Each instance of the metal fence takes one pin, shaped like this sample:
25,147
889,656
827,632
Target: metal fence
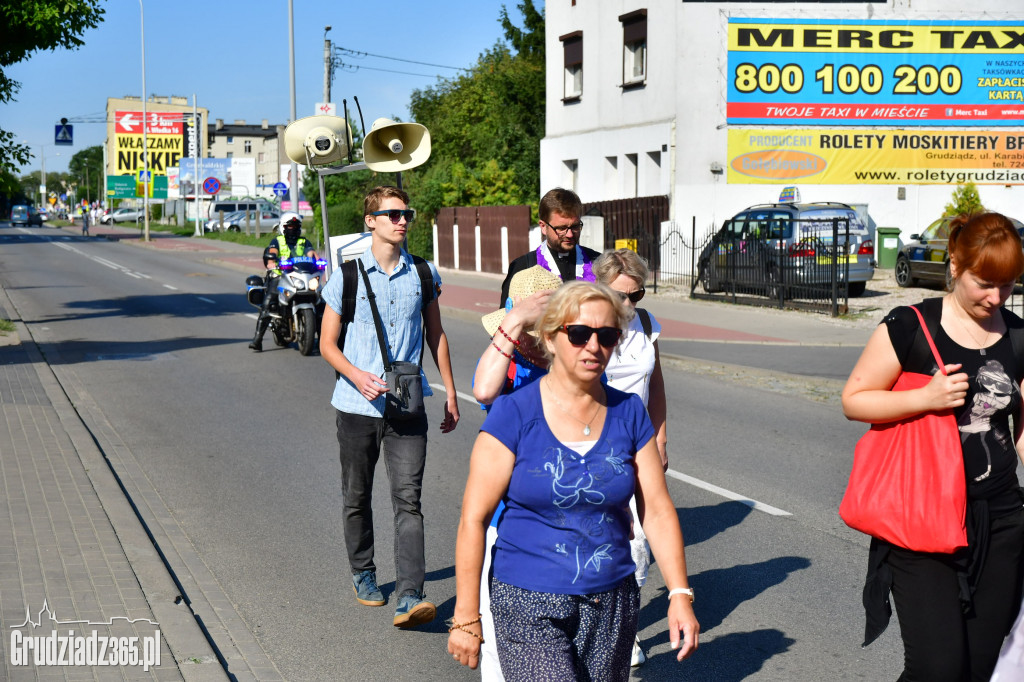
800,264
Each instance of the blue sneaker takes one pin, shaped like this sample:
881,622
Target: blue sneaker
365,586
413,610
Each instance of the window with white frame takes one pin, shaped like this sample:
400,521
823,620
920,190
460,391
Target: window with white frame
572,45
248,146
634,47
261,157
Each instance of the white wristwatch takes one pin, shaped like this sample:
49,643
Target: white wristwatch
688,591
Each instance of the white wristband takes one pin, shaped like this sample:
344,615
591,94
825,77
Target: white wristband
688,591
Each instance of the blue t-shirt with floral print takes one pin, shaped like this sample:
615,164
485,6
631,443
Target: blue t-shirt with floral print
566,524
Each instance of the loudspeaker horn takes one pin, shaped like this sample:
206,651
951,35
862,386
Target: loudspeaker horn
392,147
317,140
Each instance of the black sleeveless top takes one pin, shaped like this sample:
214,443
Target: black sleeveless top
993,395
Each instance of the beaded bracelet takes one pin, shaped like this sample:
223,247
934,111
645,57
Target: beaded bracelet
462,626
515,342
500,350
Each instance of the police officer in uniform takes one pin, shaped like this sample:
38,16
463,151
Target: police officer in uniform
287,245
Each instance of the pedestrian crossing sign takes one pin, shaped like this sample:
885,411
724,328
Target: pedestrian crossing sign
63,134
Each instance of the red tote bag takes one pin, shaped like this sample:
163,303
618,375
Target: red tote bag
907,484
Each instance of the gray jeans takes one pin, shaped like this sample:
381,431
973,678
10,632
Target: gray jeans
361,440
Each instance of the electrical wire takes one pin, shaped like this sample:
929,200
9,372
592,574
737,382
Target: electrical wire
356,67
358,53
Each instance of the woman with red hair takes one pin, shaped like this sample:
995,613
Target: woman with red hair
955,609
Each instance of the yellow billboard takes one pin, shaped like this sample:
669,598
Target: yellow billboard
880,157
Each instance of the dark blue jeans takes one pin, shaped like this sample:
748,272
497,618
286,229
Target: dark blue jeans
404,445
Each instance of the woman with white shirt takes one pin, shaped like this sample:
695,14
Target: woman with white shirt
635,367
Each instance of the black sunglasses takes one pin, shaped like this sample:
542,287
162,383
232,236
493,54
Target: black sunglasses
579,334
395,215
634,296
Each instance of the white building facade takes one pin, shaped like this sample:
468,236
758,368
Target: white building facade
719,105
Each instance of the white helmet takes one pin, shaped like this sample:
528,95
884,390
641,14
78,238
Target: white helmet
288,217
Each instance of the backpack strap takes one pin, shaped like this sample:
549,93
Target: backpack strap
427,287
645,322
349,290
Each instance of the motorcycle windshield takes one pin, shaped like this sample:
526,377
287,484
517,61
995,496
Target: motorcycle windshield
303,264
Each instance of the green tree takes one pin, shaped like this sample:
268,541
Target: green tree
486,124
85,170
30,25
966,201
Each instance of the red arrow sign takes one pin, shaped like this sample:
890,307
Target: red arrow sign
157,122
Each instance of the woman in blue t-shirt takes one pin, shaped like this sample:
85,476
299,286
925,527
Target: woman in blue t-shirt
565,454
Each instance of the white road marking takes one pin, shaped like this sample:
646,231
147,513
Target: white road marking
728,494
704,485
465,396
102,261
168,286
205,300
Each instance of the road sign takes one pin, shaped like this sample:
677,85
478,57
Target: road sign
125,187
63,134
211,185
280,189
63,197
145,176
326,109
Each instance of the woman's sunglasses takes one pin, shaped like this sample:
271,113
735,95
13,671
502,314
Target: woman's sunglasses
579,334
633,296
395,215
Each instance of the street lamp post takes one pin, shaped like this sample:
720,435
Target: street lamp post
145,150
293,181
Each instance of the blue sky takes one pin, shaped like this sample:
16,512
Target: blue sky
233,55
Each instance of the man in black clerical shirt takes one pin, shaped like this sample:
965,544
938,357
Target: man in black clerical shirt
559,251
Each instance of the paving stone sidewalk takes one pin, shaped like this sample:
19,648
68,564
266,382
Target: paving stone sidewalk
62,565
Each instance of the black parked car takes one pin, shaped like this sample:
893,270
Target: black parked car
926,256
787,250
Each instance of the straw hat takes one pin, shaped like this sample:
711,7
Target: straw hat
523,284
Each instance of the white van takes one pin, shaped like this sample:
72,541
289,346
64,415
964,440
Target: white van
232,205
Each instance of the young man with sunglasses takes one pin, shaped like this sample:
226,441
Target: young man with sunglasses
359,398
559,252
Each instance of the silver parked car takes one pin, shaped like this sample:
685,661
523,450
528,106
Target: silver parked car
786,248
235,221
123,215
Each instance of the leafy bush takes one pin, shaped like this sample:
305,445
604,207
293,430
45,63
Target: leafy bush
966,201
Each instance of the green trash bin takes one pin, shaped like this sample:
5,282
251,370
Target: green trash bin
887,240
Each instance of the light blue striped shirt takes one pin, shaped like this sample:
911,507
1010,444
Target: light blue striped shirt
398,301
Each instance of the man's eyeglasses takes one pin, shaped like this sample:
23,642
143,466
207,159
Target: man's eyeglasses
562,229
634,296
579,334
395,215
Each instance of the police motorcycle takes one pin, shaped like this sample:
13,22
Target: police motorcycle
296,306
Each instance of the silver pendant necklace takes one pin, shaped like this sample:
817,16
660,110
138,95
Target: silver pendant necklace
558,404
982,344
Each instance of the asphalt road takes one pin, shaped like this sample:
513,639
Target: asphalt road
234,455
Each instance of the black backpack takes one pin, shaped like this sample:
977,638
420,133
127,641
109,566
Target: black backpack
350,287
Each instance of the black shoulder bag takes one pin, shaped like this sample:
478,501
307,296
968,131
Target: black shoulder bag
404,398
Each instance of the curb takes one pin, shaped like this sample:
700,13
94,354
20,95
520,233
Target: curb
178,624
